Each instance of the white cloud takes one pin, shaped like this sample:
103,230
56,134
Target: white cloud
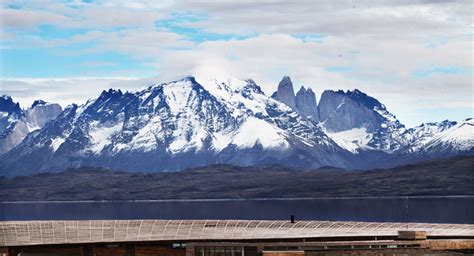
381,43
78,15
383,69
28,19
341,18
67,90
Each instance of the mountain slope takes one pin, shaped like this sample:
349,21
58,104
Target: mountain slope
217,119
424,133
453,141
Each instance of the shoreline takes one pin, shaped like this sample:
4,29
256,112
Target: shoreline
235,199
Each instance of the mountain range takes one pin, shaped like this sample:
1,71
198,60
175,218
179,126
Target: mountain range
202,120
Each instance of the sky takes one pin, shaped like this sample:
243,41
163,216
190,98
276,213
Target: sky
415,56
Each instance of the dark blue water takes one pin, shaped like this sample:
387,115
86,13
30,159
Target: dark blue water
422,209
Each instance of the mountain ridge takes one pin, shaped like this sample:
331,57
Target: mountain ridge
200,120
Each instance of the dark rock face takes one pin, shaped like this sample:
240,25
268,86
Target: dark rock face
15,123
341,111
285,92
40,113
306,104
7,105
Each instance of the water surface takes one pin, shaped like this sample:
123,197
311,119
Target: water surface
417,209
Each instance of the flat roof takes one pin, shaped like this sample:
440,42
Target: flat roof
18,233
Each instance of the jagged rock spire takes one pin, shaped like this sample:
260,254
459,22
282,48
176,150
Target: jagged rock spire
306,104
285,92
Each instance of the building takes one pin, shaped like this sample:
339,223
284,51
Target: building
224,237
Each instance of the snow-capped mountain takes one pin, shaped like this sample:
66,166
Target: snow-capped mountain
209,119
171,126
420,135
16,123
451,141
354,120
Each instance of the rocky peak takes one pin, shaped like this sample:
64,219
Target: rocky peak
111,93
12,108
250,88
306,105
345,110
38,103
40,113
285,92
341,111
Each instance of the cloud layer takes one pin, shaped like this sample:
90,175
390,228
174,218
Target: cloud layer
415,56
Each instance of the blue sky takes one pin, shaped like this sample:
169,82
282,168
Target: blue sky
414,56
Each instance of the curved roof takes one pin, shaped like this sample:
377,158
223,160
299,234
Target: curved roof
14,233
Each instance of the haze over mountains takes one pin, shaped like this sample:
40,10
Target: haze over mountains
204,120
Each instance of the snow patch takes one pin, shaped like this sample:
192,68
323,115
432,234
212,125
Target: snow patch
177,95
100,134
56,143
352,139
255,131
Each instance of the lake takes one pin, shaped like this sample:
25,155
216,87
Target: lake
412,209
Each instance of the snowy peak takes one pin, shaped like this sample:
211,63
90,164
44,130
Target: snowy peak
420,135
7,106
459,137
